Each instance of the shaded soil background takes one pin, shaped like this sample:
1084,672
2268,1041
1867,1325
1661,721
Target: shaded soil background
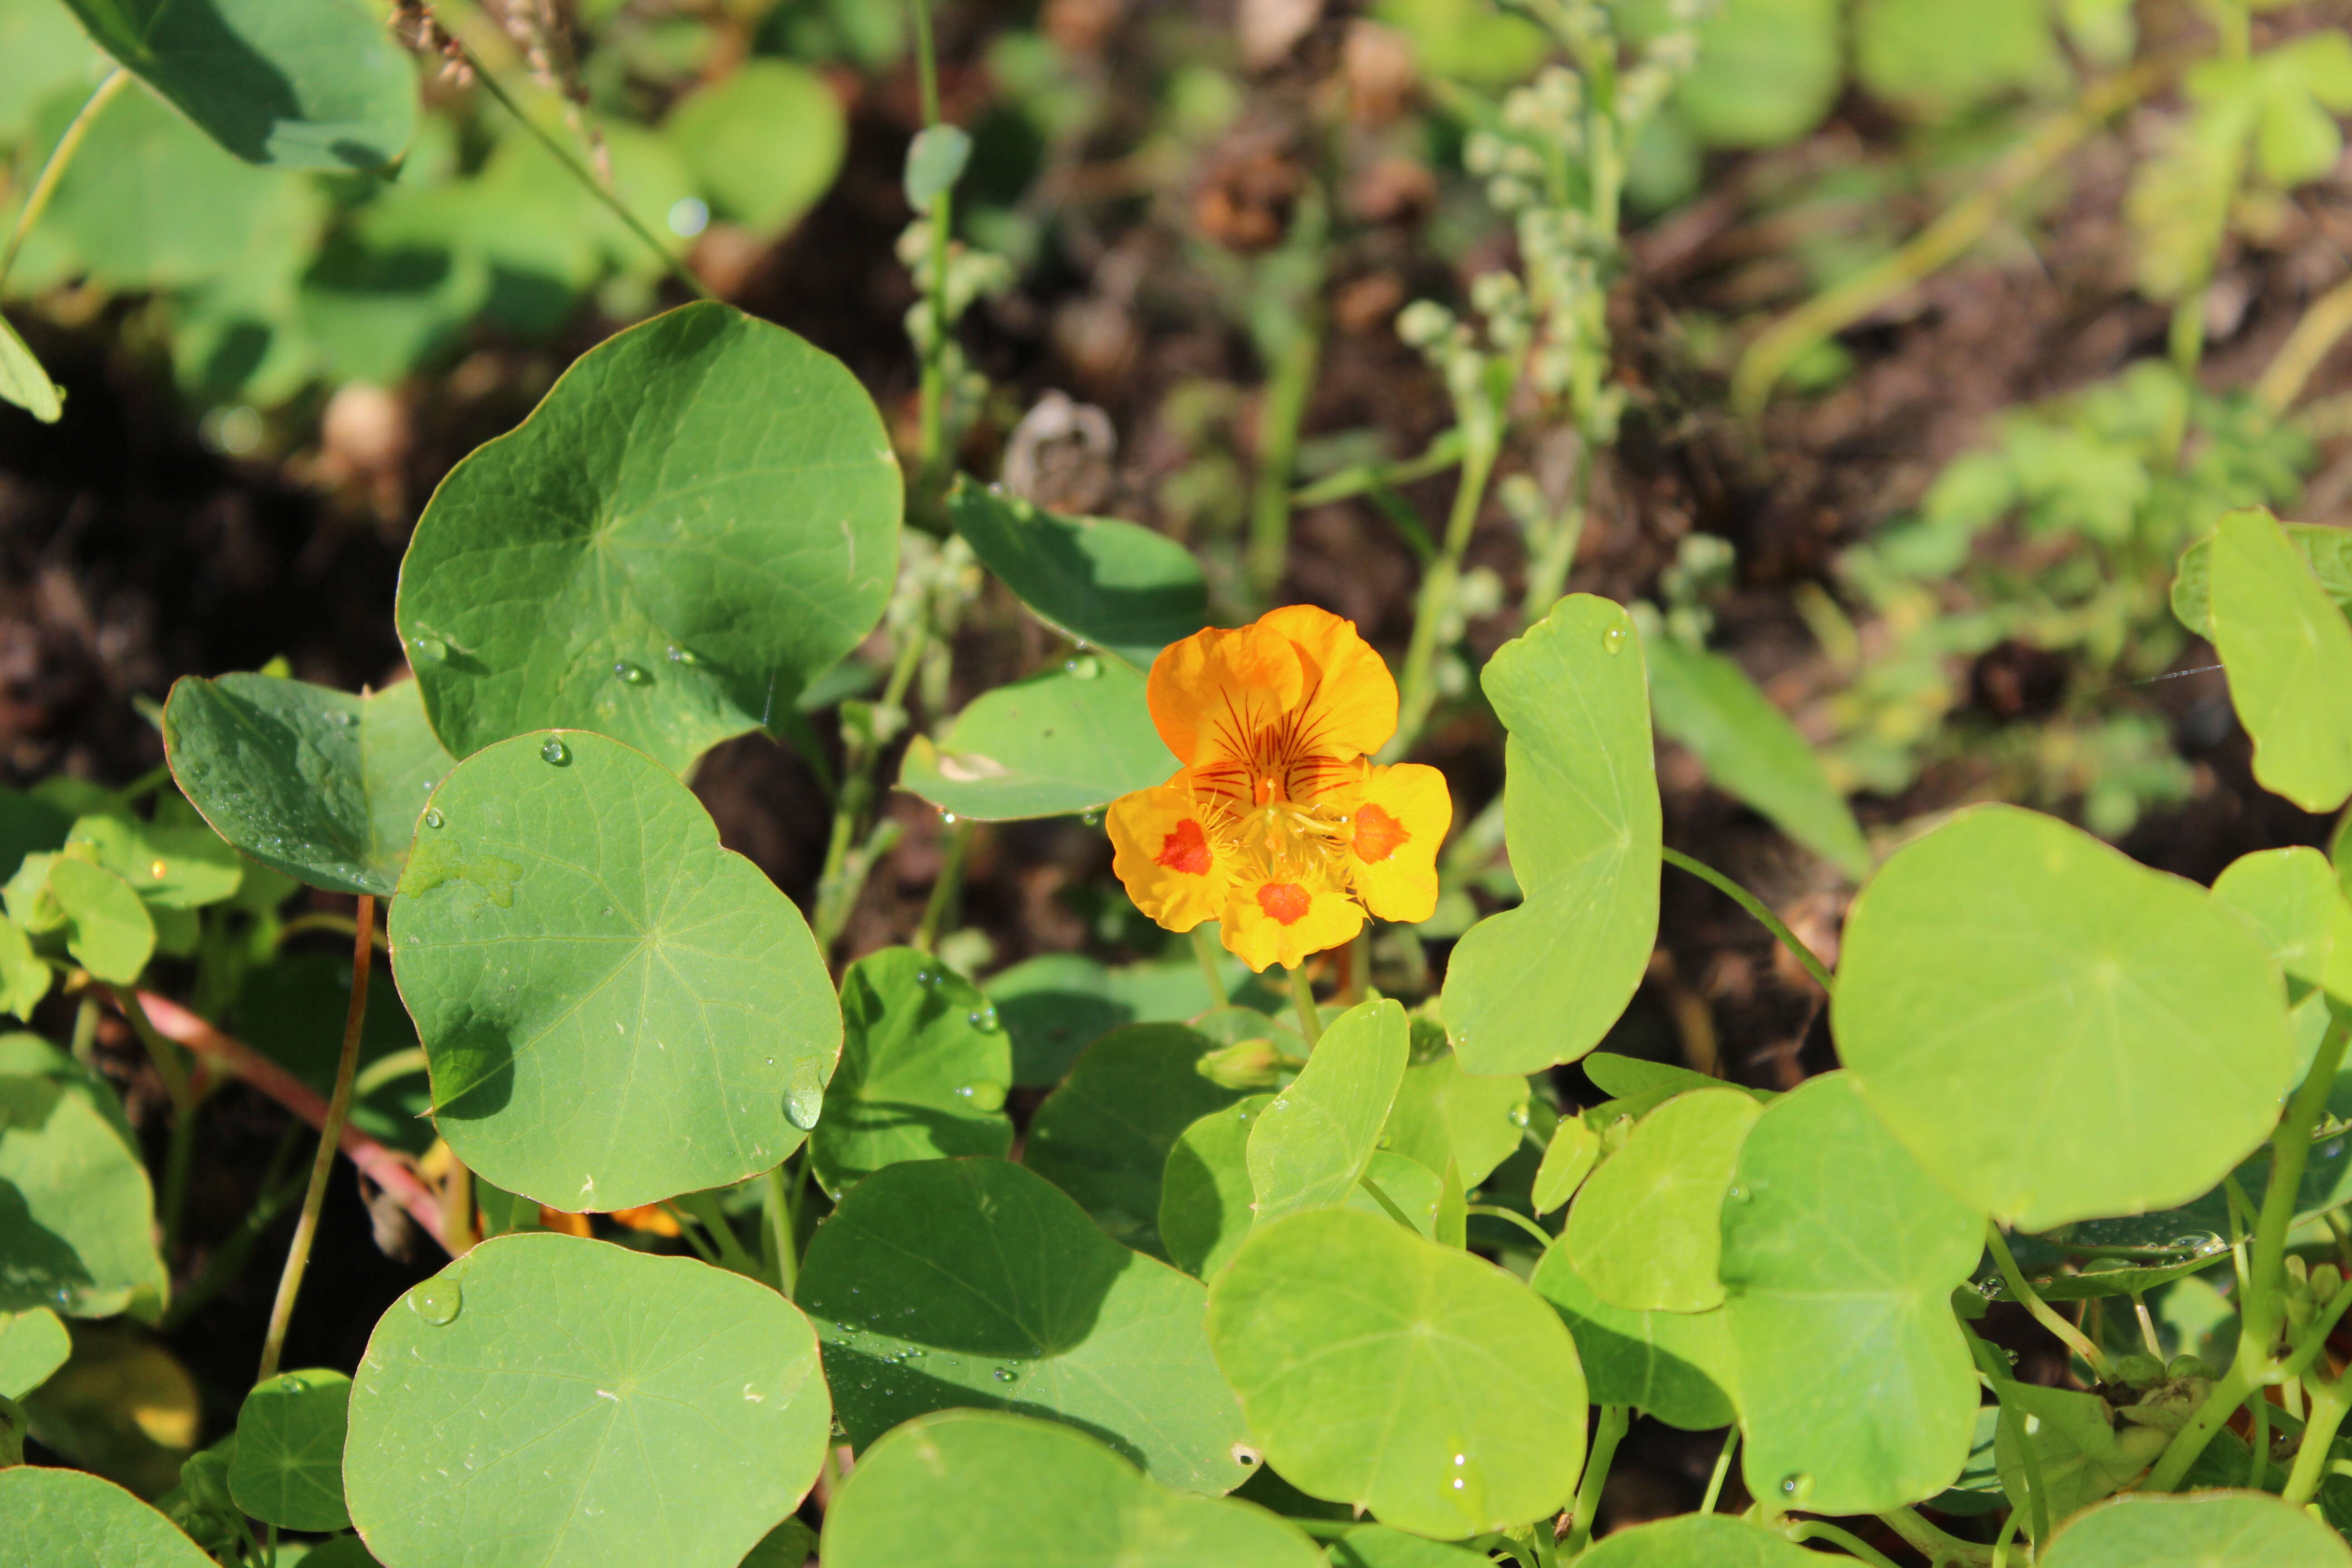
132,553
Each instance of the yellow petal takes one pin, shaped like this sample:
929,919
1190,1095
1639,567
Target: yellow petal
653,1219
1396,829
1210,694
1348,706
1162,851
1282,922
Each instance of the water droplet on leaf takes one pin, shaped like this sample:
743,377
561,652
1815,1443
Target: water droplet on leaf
1614,639
805,1104
1796,1486
1005,1374
634,674
556,752
431,649
437,1301
433,817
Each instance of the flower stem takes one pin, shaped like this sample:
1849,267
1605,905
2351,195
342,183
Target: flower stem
338,1105
45,184
2024,1294
1845,1540
2329,1401
932,455
1756,907
1722,1471
1280,413
944,886
1302,998
1607,1434
783,1236
1204,948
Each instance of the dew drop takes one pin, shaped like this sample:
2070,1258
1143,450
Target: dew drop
431,649
1614,639
1457,1483
1084,669
685,657
805,1104
555,751
1737,1195
433,817
342,721
1519,1117
983,1095
946,820
632,674
1092,818
1797,1486
437,1301
1005,1374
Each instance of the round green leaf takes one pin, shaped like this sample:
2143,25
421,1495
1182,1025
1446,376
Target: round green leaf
700,516
764,143
24,978
57,1517
76,1211
170,865
579,1404
1071,740
1643,1231
1205,1200
1675,1366
1118,585
303,84
289,1465
1378,1546
32,1345
976,1489
2288,650
924,1068
974,1282
2291,899
108,928
2204,1530
1542,983
2056,1031
1751,749
1104,1136
323,785
1312,1142
617,1009
1840,1257
2328,550
1443,1113
1698,1541
1411,1379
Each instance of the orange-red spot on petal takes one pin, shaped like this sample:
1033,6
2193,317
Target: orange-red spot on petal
1186,849
1284,901
1377,834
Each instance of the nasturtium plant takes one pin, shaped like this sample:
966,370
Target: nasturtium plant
2288,650
1069,739
76,1206
973,1282
1643,1231
318,783
2225,1529
702,516
1542,983
924,1069
1312,1143
612,1017
33,1345
1675,1366
1984,1015
1114,586
520,1394
289,1465
66,1516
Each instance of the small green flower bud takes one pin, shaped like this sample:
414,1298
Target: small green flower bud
2189,1366
2139,1371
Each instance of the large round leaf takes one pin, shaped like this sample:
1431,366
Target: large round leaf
1312,1142
617,1009
2057,1032
578,1404
2288,650
974,1282
1542,983
702,515
974,1488
1118,585
1207,1204
1676,1366
1442,1113
1840,1257
2206,1529
322,784
303,84
1643,1231
76,1211
924,1066
764,143
56,1516
1698,1541
1070,740
1104,1136
1408,1378
289,1465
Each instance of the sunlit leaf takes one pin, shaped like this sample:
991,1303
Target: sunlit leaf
289,1465
2328,550
2056,1031
58,1515
1313,1141
1071,740
2205,1529
1698,1541
765,142
76,1210
1643,1231
2288,650
23,381
33,1345
1115,585
924,1068
522,1395
1675,1366
974,1282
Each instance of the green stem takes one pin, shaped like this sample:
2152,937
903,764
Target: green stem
1606,1434
2025,1296
931,458
588,182
85,1029
782,1234
2329,1401
180,1149
944,886
1280,413
339,1106
45,184
1722,1471
1756,907
1204,948
1845,1540
2290,1151
2258,1439
1388,1204
836,892
704,1207
2009,1529
1302,1001
1933,1545
1544,1239
1417,690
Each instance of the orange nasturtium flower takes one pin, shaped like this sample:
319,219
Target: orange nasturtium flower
1278,824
